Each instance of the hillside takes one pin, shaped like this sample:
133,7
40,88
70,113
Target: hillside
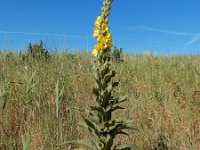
163,93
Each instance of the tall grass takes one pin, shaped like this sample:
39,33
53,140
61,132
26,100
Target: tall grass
164,100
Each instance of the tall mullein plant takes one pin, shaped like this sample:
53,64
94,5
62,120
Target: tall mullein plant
100,122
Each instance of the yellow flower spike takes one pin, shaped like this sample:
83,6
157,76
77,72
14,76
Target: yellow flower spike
101,30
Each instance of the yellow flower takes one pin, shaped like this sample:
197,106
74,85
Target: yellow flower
108,37
94,52
96,33
103,44
105,39
104,27
100,38
96,49
98,21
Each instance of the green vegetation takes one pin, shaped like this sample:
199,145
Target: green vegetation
38,51
117,54
41,102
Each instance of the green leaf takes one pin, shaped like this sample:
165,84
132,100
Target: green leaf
118,128
5,94
113,73
95,91
108,77
116,108
98,84
105,69
98,145
58,98
118,100
96,117
126,147
92,127
115,84
26,141
113,107
105,94
123,99
100,110
5,98
110,88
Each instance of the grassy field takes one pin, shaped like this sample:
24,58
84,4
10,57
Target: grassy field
41,102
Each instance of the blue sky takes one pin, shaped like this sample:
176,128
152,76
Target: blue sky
161,26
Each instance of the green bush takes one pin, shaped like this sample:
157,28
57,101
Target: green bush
38,51
117,54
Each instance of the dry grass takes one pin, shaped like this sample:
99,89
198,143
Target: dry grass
164,100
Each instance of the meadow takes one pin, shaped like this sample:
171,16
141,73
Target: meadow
41,101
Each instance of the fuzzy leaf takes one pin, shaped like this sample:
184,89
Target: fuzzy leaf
118,128
108,77
98,84
113,108
117,100
95,91
106,94
92,127
105,69
116,108
115,84
110,88
95,116
100,110
123,99
98,145
113,73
